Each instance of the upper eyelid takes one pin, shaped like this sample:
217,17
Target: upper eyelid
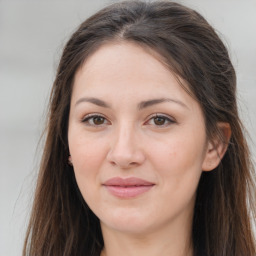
162,115
91,115
87,119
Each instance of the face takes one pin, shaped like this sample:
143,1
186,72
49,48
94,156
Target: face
137,140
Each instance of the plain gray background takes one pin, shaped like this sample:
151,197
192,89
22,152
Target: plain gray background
32,35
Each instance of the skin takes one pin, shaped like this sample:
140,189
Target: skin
127,140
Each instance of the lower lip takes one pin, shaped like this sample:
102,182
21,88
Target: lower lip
128,192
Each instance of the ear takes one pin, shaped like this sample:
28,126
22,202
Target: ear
70,161
216,148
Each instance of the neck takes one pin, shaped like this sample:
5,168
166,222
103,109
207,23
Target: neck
162,242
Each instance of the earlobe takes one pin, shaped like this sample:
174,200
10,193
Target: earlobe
217,147
70,161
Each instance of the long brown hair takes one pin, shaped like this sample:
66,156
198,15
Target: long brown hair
61,222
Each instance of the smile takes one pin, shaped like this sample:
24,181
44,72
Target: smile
127,188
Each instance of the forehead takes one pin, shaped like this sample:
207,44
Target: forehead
123,55
129,68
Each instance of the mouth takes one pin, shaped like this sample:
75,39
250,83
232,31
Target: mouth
127,188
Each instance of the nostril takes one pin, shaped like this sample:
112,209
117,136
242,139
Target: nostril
112,163
126,165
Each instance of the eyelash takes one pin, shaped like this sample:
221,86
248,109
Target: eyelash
167,120
92,117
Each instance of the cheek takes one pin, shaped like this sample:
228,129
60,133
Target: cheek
86,166
84,157
87,157
178,154
178,163
85,150
179,170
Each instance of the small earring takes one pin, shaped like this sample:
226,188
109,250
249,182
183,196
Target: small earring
70,161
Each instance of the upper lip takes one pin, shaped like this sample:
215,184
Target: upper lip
125,182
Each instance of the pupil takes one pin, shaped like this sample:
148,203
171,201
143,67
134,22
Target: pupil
159,120
98,120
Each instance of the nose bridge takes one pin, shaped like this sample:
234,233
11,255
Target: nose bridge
125,150
125,139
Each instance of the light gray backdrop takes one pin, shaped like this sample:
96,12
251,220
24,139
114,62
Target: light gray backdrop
32,34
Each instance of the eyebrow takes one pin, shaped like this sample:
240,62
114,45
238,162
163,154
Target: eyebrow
95,101
141,105
148,103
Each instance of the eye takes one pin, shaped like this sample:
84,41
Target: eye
95,120
160,120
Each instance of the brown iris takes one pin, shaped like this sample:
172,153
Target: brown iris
159,120
98,120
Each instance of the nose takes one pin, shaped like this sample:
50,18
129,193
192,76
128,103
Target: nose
125,150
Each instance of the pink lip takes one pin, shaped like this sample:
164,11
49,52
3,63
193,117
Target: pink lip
127,188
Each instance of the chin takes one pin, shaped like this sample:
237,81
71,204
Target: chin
127,222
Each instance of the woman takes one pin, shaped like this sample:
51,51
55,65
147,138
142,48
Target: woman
144,153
